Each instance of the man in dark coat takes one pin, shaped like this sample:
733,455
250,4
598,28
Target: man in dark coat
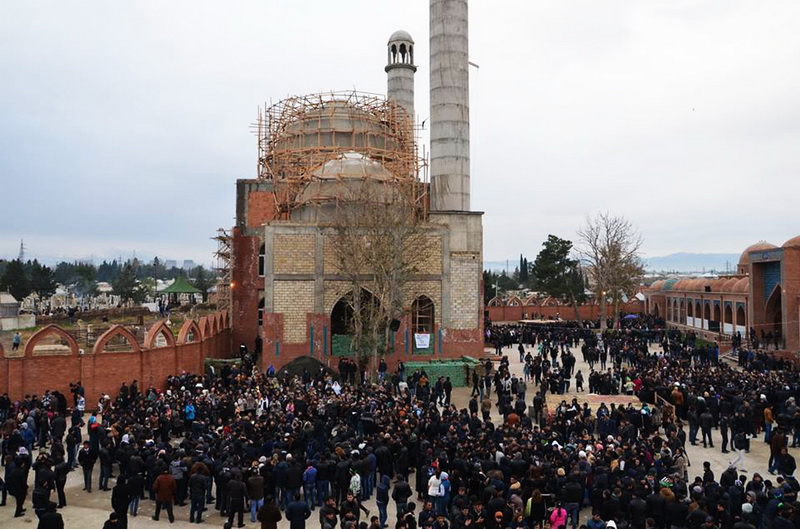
297,513
237,497
269,514
17,484
120,500
51,519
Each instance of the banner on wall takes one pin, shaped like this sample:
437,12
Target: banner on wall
422,341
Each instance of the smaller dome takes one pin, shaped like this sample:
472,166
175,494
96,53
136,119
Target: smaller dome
401,36
657,285
729,285
792,243
680,285
742,286
759,246
717,284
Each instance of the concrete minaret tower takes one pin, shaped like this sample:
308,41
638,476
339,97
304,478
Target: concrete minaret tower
400,71
449,105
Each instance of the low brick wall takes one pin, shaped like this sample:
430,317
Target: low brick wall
51,359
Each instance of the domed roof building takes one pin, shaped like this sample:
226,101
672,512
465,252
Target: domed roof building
328,161
761,302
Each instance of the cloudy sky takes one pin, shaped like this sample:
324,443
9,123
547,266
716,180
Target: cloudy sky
124,125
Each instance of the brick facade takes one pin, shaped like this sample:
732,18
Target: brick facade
465,297
44,367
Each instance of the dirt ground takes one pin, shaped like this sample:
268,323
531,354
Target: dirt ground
89,511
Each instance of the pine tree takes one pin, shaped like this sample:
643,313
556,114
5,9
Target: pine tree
127,287
15,281
203,280
43,282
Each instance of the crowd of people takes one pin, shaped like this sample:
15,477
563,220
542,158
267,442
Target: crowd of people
244,445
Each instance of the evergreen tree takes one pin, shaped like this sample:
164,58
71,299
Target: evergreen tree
15,280
203,280
43,282
557,274
127,287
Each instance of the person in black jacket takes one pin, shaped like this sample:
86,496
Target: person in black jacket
41,498
297,513
51,519
237,497
120,500
402,491
17,483
86,459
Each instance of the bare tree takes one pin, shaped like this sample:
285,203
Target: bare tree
379,237
610,250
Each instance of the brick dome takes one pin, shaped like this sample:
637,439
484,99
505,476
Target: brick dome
729,285
792,243
717,284
742,286
759,246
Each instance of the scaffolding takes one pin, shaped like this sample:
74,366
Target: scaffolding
300,134
223,267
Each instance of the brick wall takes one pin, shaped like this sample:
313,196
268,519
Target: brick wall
465,295
294,299
248,287
293,253
101,371
586,312
426,254
260,208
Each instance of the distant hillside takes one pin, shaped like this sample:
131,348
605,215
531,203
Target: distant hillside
693,262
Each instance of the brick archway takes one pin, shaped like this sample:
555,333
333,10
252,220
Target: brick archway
159,329
115,330
190,326
206,328
50,330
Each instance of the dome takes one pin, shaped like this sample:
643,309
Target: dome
742,286
716,284
680,285
351,165
792,243
351,177
657,285
759,246
729,285
346,177
401,35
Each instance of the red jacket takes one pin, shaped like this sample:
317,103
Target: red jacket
165,488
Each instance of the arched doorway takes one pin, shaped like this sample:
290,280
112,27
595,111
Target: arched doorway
773,314
343,320
656,311
690,310
741,318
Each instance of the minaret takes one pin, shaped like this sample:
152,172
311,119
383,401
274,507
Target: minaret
400,71
449,105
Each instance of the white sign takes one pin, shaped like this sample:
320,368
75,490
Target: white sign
423,341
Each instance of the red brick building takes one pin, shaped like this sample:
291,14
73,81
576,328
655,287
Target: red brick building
763,297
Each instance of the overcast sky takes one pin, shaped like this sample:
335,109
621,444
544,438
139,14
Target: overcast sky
124,125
